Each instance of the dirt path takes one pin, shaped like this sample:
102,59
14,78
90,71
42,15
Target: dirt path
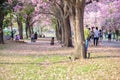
43,47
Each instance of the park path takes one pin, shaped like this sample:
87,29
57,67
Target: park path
43,47
111,43
46,43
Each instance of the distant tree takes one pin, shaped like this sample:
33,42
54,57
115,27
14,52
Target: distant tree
2,10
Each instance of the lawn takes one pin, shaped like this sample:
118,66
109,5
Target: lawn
54,63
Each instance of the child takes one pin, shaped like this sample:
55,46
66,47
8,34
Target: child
16,38
52,41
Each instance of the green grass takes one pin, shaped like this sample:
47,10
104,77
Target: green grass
31,59
101,66
3,46
30,68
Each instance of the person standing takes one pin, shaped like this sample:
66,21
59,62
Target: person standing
100,35
12,34
96,36
35,36
87,36
109,35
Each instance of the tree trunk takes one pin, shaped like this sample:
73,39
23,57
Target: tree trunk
31,28
59,32
1,30
11,24
40,28
20,28
79,30
28,29
68,37
62,32
117,34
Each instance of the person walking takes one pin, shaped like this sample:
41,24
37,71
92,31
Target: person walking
96,36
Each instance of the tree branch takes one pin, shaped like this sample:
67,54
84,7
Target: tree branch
90,1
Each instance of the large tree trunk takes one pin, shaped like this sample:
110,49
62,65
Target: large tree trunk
79,30
63,34
20,28
61,31
58,31
68,37
28,29
1,30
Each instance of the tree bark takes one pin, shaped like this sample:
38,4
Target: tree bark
28,28
1,30
117,34
61,31
79,30
68,37
58,32
20,27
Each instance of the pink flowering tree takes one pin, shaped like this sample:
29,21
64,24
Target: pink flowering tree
71,14
33,12
18,12
103,14
57,12
11,8
5,8
110,19
110,9
68,14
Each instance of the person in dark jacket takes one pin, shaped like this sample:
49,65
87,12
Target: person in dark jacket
109,35
52,41
12,34
35,36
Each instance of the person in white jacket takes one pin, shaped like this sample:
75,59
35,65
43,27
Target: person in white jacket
96,36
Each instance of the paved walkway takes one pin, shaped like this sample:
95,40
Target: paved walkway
111,43
105,43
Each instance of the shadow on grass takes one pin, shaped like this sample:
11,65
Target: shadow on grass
105,57
42,63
